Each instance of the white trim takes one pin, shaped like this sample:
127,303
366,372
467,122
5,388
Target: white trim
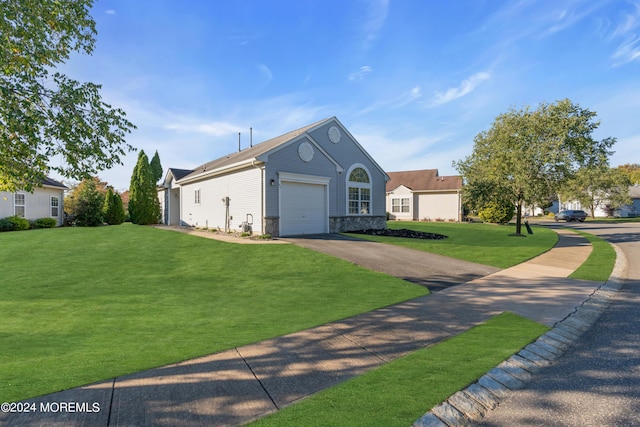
24,204
51,206
368,185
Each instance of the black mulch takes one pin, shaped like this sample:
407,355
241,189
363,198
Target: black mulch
401,233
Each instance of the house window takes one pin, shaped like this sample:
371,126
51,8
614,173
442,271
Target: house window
55,204
400,205
19,205
359,191
197,197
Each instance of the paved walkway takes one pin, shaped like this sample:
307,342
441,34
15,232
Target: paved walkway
239,385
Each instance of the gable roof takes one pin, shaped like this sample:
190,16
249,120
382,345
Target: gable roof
246,154
53,183
634,191
179,173
260,151
423,180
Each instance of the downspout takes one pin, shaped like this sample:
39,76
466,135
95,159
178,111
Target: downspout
262,224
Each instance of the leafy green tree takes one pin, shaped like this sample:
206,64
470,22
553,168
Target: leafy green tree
112,209
598,187
73,204
496,212
89,205
632,170
526,155
156,167
45,113
144,206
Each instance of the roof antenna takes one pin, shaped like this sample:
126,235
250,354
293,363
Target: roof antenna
238,142
251,137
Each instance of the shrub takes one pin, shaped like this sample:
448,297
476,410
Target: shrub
14,223
45,223
496,212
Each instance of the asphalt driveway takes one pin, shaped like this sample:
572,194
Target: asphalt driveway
436,272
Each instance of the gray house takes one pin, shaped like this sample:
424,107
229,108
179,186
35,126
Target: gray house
316,179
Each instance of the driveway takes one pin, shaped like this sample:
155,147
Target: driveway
436,272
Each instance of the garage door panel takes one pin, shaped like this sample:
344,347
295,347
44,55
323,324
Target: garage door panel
303,208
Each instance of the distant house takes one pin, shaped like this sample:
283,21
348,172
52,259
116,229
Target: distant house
44,202
603,211
316,179
633,209
424,195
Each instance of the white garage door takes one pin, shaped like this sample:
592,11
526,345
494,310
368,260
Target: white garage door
303,208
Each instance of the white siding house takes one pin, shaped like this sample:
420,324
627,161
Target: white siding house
43,202
424,195
316,179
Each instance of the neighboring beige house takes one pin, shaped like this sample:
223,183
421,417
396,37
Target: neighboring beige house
423,195
44,202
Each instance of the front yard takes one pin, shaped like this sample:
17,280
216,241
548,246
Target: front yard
486,244
81,305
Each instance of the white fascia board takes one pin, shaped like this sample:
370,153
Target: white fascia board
218,171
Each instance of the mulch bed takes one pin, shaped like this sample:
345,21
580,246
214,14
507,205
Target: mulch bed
411,234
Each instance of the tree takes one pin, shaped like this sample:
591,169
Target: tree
526,155
156,167
598,187
43,115
89,204
113,210
144,206
632,170
73,203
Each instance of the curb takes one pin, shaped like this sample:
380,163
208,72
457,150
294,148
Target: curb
474,402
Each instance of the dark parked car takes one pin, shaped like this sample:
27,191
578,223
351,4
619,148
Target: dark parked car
570,216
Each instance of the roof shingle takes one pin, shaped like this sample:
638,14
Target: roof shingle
423,180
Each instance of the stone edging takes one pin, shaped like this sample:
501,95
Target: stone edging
474,402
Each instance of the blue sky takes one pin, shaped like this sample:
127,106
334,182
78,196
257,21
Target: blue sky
414,81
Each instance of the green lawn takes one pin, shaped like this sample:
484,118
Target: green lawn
80,305
599,265
486,244
399,392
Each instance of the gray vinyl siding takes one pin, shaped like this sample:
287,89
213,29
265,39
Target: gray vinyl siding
242,187
348,153
288,160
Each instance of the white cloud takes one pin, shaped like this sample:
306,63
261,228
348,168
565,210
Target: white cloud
360,75
375,20
629,48
210,128
266,74
110,12
467,86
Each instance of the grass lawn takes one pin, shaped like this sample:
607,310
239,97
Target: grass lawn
486,244
81,305
599,265
399,392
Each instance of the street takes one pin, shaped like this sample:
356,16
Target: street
597,381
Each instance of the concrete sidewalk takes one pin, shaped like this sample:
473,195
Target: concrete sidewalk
242,384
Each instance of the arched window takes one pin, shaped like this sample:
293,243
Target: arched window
358,191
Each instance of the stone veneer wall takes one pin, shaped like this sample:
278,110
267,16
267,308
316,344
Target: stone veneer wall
271,225
337,224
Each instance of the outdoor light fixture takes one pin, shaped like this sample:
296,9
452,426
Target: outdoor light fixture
273,182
